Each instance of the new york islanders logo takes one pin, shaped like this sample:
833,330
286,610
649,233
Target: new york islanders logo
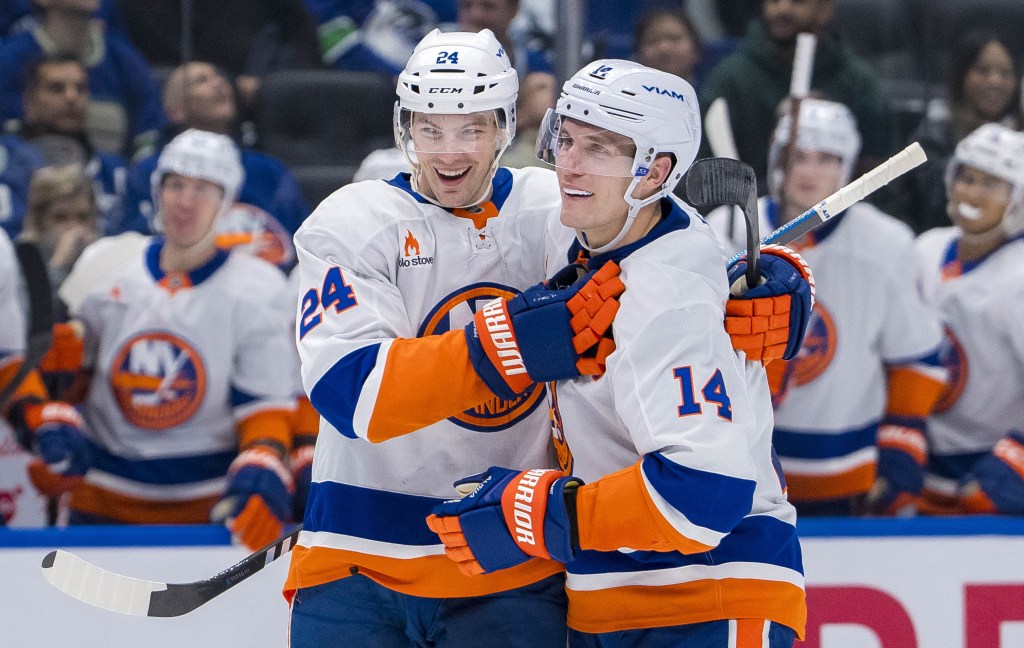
955,361
454,312
818,348
256,232
158,380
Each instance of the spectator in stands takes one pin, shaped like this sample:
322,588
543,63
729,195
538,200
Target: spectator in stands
984,86
873,359
497,15
125,114
270,206
53,132
972,274
537,93
755,79
667,40
245,38
375,36
189,400
21,15
62,217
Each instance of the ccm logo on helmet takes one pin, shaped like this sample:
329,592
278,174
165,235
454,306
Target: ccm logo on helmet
445,91
667,93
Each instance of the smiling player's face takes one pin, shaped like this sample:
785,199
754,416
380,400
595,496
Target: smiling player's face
455,154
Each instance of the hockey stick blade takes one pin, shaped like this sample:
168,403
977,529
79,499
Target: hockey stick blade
875,179
104,589
40,313
717,181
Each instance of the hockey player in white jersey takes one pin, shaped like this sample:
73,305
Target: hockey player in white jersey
852,404
972,274
189,401
43,452
670,516
393,279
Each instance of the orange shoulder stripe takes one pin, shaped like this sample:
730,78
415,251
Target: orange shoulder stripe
617,511
426,380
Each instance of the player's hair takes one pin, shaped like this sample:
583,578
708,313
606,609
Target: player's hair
51,185
34,68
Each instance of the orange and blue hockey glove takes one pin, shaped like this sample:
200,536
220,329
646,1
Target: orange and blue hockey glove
545,333
996,482
54,431
902,453
511,517
769,321
257,501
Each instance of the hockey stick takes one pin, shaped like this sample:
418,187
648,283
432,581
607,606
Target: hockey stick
90,584
865,185
799,88
718,130
40,314
716,181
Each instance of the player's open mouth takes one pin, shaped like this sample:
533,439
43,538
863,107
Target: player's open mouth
451,177
576,193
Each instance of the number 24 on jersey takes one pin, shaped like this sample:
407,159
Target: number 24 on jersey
335,292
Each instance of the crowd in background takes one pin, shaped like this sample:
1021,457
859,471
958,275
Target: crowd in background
92,91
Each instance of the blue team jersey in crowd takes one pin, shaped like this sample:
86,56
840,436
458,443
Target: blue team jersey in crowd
121,77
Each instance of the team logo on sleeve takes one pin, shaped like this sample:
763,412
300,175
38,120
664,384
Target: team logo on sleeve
454,312
158,380
818,348
955,361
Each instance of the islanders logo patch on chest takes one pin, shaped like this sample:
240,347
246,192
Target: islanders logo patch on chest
454,312
158,380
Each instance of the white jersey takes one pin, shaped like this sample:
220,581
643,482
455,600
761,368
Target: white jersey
688,515
387,283
185,367
21,505
868,320
982,307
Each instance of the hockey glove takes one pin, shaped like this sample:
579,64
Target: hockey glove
902,452
545,334
257,501
996,482
769,321
53,429
508,519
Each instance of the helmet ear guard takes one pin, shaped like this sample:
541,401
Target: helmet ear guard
997,151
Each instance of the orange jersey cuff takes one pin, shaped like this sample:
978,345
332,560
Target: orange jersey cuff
912,393
272,425
617,511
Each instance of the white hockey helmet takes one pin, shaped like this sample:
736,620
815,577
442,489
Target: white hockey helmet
998,151
204,155
457,73
825,127
657,110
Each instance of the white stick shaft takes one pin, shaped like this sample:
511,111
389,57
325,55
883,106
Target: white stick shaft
803,63
719,130
856,191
